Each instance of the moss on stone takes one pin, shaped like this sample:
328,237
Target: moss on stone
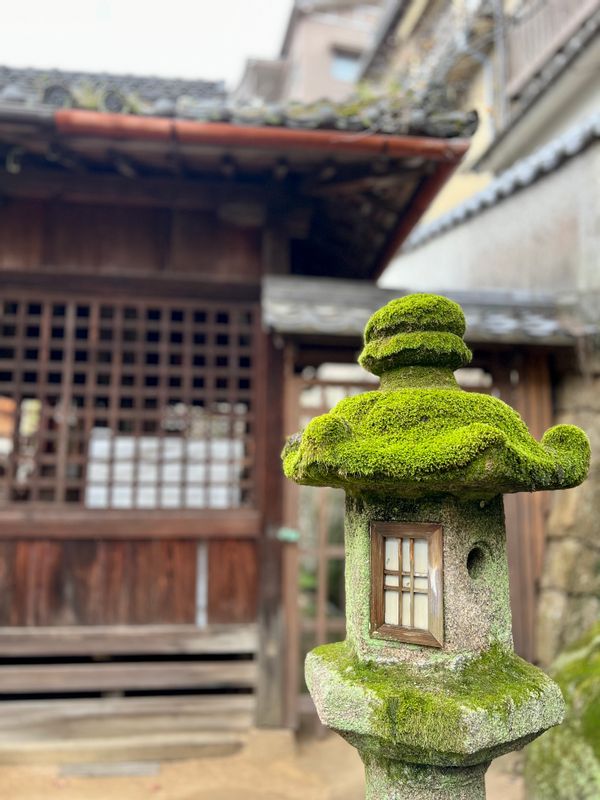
476,612
418,435
416,312
421,441
565,763
465,713
419,329
423,349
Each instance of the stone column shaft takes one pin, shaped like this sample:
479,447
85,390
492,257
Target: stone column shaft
393,780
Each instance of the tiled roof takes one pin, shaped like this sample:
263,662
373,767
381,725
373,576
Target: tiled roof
317,306
206,101
103,91
524,173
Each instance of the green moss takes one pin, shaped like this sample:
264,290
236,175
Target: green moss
420,441
445,714
419,435
416,312
419,329
412,377
565,763
423,349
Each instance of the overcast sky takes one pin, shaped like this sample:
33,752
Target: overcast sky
174,38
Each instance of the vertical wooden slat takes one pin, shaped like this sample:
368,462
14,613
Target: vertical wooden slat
114,399
291,603
7,582
90,389
232,585
163,398
183,581
49,598
17,394
269,433
186,374
65,410
42,367
118,583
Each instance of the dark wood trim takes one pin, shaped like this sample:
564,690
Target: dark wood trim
127,640
183,289
434,637
202,194
270,699
60,523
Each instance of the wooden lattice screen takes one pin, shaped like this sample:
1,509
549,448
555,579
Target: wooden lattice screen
127,403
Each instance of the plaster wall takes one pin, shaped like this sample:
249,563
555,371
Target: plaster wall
572,97
543,238
312,47
466,181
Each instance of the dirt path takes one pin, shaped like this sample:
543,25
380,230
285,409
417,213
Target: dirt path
271,767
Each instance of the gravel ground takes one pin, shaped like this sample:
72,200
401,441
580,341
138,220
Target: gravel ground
271,767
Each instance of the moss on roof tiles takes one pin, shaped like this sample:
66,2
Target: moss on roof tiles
420,434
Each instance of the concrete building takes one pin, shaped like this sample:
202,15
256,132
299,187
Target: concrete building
321,54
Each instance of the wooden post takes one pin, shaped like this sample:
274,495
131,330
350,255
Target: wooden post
270,708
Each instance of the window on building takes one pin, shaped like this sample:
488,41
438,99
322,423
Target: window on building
406,582
345,65
127,404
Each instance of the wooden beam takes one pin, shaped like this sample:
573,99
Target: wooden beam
355,185
111,640
200,194
47,678
60,523
121,287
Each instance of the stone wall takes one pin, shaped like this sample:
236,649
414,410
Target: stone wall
570,588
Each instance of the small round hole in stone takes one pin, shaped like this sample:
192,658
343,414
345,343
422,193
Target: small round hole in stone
476,561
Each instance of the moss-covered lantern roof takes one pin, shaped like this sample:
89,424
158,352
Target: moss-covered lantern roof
420,434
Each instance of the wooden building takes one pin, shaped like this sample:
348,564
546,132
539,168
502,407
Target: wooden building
144,583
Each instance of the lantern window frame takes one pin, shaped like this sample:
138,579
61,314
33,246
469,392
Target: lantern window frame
433,636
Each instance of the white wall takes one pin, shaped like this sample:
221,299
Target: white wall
543,238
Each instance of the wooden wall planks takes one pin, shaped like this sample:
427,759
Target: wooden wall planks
113,240
233,581
97,582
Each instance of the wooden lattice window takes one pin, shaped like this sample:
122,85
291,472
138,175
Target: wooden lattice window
127,404
406,582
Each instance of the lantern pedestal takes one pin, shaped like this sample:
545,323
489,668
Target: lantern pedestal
442,719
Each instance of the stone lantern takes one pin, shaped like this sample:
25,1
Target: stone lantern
427,685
